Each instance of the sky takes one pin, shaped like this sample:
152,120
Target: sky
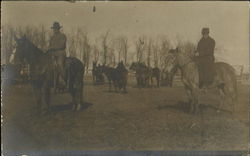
228,21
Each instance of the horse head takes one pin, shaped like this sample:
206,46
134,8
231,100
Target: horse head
133,66
25,50
171,61
19,52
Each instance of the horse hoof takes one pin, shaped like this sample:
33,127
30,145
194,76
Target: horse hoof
218,111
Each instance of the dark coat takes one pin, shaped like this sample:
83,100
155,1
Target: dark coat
206,47
206,60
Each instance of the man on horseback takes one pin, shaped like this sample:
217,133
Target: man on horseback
205,51
57,46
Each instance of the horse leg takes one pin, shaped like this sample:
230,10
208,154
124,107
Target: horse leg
109,85
124,86
38,97
56,77
158,81
47,95
227,94
195,101
93,78
222,99
190,99
115,84
79,96
152,81
73,96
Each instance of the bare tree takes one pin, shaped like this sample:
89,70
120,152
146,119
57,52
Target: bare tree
149,52
71,46
7,33
86,49
187,47
105,46
123,46
155,49
140,45
163,51
95,53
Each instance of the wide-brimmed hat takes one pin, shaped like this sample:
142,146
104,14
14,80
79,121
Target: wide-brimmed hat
205,31
56,25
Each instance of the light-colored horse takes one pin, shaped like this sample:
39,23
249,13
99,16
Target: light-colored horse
224,80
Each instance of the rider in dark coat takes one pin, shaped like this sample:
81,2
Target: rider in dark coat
205,50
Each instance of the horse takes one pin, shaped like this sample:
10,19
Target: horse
42,77
224,80
117,76
122,74
97,74
144,74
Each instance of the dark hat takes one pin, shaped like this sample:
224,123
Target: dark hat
56,25
205,31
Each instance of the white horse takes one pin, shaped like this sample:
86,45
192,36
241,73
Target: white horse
225,78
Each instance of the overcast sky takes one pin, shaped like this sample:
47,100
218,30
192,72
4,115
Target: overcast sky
228,21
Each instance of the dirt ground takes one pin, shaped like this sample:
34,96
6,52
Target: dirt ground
142,119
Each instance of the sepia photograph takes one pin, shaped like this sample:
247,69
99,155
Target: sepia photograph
141,78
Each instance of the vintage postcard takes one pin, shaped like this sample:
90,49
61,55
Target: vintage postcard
125,78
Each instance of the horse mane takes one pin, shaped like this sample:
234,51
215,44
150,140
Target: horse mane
32,52
34,48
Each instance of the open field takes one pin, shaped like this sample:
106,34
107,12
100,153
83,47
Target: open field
142,119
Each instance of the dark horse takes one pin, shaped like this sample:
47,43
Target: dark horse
97,74
225,78
117,76
41,72
145,74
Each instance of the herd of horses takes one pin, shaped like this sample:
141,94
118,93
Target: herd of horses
118,76
42,65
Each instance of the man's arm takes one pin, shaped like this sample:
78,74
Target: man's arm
210,48
62,42
198,49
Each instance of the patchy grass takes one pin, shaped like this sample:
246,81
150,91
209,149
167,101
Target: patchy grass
142,119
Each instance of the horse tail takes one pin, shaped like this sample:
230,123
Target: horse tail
235,86
234,81
230,74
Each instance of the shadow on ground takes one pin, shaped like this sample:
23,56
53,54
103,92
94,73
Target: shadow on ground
183,106
69,107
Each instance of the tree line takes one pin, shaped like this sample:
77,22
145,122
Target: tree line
104,49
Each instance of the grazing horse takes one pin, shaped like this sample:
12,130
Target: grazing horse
224,81
117,76
155,73
144,74
97,74
41,73
122,76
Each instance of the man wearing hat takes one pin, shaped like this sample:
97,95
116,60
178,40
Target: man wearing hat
57,46
205,51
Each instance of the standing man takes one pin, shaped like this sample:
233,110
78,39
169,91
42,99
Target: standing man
205,51
57,46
